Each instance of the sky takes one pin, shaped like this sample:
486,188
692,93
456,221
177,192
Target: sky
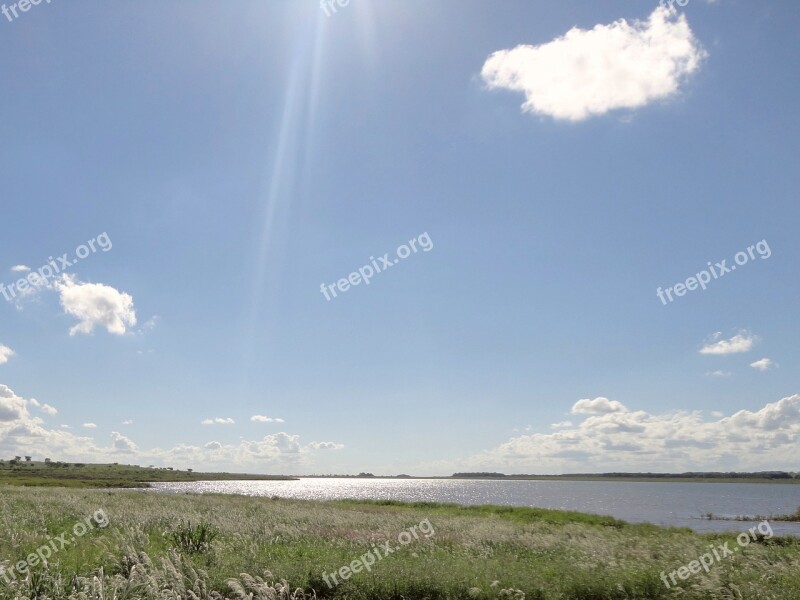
419,237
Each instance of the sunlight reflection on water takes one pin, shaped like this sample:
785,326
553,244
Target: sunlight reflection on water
663,503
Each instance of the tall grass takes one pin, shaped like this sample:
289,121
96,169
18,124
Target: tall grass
272,548
193,539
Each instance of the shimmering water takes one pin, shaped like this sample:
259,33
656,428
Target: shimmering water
663,503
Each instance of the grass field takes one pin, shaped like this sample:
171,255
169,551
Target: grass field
77,475
188,546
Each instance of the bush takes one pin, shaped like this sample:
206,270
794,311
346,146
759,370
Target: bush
193,539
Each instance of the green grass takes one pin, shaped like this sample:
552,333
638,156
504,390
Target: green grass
37,474
515,514
214,546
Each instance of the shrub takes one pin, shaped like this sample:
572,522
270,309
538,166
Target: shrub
193,539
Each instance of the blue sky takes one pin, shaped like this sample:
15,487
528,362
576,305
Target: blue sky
564,159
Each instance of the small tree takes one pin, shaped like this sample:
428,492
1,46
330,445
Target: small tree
27,459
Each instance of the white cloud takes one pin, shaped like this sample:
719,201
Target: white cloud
279,453
20,269
45,408
597,406
762,439
326,446
5,354
122,443
265,419
12,407
741,342
559,425
128,422
271,446
718,373
591,72
763,364
89,426
95,305
218,421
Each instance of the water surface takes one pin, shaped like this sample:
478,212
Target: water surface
663,503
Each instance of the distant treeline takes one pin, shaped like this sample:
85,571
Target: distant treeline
703,475
689,475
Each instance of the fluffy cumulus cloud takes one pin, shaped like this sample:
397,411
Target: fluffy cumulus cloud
636,440
598,406
218,421
49,410
741,342
5,354
278,452
20,269
12,407
122,443
763,364
45,408
95,305
265,419
21,432
591,72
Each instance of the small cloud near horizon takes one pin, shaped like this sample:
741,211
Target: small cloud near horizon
266,419
598,406
326,446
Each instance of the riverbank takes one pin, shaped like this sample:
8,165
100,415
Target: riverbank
154,542
79,475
